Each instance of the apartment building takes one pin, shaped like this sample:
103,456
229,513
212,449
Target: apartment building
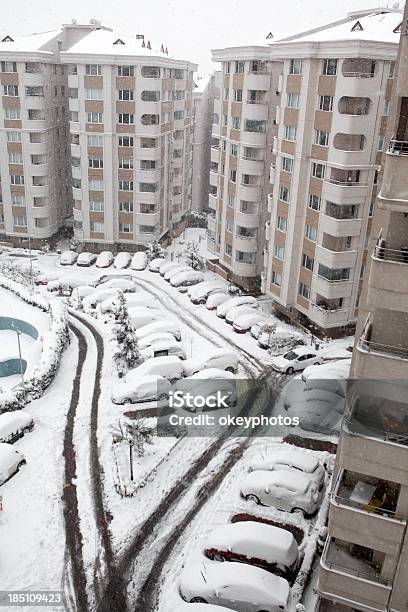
364,565
131,136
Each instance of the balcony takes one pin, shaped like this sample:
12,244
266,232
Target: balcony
270,203
258,81
256,110
329,317
332,288
272,174
342,189
215,154
213,178
268,230
388,286
340,228
212,201
247,219
394,188
253,138
251,193
148,175
150,153
335,258
251,165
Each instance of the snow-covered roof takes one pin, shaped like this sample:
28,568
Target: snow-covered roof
11,422
298,459
279,478
26,44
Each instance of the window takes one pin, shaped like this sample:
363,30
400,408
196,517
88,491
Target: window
279,252
41,221
74,116
231,201
10,90
178,115
329,67
246,258
126,71
228,249
125,228
125,185
290,133
386,107
147,229
126,94
237,95
314,201
293,100
307,262
321,138
96,184
147,209
17,179
236,122
284,194
12,113
225,120
94,140
295,66
95,117
15,157
126,118
8,66
282,224
126,141
148,187
310,232
37,92
276,278
76,183
380,146
18,200
150,96
334,274
226,94
258,127
125,163
318,170
239,67
325,103
96,205
304,290
20,220
93,69
93,94
97,227
147,164
233,176
234,150
227,67
126,207
73,92
229,225
95,163
76,162
151,72
391,72
287,164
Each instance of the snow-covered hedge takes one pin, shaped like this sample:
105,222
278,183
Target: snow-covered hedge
53,344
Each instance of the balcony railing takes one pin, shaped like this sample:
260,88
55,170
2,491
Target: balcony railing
346,182
377,347
328,311
398,147
397,255
370,509
373,576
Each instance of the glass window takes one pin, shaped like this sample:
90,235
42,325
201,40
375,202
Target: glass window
314,201
290,132
93,69
307,262
282,224
295,66
329,67
326,103
287,164
126,71
318,170
276,278
284,194
311,232
321,138
293,100
304,290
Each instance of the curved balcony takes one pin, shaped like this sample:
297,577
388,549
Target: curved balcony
77,193
340,228
258,81
268,231
246,220
33,125
76,172
394,188
213,178
147,153
388,285
148,176
248,165
272,174
255,110
248,244
215,154
249,193
253,138
40,191
378,355
38,148
335,259
243,269
328,317
73,81
212,201
347,192
352,124
332,289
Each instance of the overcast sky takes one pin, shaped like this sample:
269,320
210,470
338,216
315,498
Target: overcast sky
190,28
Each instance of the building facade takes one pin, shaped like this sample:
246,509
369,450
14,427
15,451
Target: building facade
364,565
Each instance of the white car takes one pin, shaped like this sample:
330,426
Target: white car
177,270
158,327
237,311
169,367
258,328
168,267
244,322
318,409
123,284
296,360
272,548
235,301
10,461
104,259
163,348
216,299
234,585
68,258
198,294
283,490
205,388
187,278
122,260
155,264
200,607
146,389
139,261
97,297
68,283
44,279
212,373
221,358
335,370
110,304
86,260
82,291
13,425
141,316
153,339
292,460
111,275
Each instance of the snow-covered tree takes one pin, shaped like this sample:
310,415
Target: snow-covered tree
127,353
136,433
193,258
155,249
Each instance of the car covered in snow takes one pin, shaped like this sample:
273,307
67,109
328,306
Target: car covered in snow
139,261
158,327
186,278
68,258
104,259
200,607
235,585
216,299
260,544
170,367
11,461
296,360
140,315
221,358
241,300
13,425
157,263
111,275
122,260
163,348
145,389
111,304
318,409
279,340
44,279
258,328
292,460
85,260
237,311
64,284
168,267
123,284
198,294
206,388
212,373
156,338
98,296
334,370
177,270
285,491
244,322
82,291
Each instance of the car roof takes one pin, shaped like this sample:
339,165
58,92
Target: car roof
261,534
7,452
302,350
304,461
279,478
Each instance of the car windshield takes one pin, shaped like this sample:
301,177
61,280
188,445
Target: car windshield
291,355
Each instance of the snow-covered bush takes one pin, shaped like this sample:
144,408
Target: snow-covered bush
197,218
193,258
18,273
53,344
154,249
127,353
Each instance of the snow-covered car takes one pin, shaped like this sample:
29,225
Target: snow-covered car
110,304
122,260
235,585
123,284
187,278
212,373
177,270
198,294
296,360
103,278
139,261
169,367
155,264
158,327
140,315
237,311
241,300
11,461
292,460
68,258
168,267
206,388
258,328
244,322
200,607
318,410
221,358
266,546
153,339
104,259
146,389
283,490
64,284
13,425
279,341
97,297
85,260
163,348
334,370
216,299
44,279
82,291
